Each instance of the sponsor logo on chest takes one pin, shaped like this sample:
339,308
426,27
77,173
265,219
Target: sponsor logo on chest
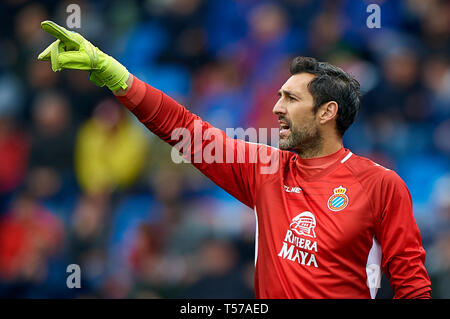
297,248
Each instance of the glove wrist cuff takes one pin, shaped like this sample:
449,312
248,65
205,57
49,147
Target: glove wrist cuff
114,75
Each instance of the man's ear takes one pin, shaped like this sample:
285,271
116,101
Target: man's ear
327,112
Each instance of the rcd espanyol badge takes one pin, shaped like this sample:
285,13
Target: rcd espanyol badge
338,201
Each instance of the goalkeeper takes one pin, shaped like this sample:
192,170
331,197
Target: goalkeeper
327,220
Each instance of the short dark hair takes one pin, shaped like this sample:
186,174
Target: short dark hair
331,84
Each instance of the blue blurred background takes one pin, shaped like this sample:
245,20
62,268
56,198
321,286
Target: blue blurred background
82,182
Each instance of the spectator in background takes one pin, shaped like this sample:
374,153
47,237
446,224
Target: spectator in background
52,135
111,150
29,236
14,148
436,77
87,237
216,85
217,267
50,175
145,255
439,252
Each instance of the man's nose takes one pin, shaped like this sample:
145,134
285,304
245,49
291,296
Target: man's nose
279,108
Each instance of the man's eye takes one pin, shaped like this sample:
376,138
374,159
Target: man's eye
288,97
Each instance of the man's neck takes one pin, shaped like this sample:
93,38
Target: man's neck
326,147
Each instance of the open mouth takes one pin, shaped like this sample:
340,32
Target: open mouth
284,128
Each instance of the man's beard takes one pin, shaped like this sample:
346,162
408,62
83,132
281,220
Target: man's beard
306,141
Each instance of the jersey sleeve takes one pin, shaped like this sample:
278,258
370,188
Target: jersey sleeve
403,257
234,165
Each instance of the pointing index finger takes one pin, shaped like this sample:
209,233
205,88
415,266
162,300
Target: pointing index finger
60,33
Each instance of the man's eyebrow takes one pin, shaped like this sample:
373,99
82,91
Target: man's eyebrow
287,92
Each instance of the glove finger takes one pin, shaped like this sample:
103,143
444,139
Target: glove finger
56,49
67,37
45,55
74,60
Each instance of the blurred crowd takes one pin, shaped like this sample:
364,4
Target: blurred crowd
82,182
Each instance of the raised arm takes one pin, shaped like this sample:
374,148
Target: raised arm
232,164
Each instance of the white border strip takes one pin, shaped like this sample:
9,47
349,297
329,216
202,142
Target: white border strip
256,236
347,157
373,268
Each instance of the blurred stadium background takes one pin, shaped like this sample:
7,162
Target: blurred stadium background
81,182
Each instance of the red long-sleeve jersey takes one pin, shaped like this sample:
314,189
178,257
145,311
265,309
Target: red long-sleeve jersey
325,226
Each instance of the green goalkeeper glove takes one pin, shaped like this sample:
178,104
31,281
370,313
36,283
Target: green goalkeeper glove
72,51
